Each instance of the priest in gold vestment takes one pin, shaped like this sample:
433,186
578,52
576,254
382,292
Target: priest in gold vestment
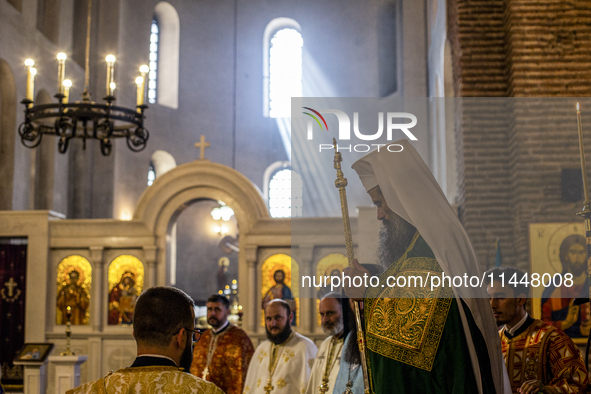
539,357
223,354
164,330
422,339
282,363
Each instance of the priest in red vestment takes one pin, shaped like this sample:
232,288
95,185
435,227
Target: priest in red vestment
223,354
539,357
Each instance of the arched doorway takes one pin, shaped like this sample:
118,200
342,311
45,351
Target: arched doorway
161,204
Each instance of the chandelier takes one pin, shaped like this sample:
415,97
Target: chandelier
84,119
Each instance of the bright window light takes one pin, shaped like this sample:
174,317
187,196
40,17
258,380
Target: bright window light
154,32
151,174
285,194
285,71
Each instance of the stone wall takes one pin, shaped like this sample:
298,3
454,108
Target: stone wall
509,165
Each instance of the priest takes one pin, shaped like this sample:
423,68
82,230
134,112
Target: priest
350,377
335,319
282,363
540,358
223,354
422,339
164,330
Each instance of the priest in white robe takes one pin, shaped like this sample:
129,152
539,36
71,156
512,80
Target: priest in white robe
335,318
282,363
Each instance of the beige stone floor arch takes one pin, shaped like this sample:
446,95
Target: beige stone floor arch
162,202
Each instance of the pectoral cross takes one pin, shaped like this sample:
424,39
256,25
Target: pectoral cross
349,386
202,145
205,373
269,387
11,284
323,387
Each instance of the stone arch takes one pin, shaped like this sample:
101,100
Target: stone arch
188,182
8,105
163,162
168,56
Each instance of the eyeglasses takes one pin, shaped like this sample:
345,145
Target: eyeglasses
196,334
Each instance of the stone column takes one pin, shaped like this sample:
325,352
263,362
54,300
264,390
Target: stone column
252,309
307,299
96,316
161,245
96,258
150,259
67,372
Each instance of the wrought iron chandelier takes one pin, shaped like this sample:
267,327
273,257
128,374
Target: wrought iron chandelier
84,119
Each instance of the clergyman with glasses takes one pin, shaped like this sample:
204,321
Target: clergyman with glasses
164,330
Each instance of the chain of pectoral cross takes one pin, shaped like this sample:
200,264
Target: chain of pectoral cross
330,363
273,361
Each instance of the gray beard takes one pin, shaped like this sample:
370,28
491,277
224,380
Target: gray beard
334,330
395,236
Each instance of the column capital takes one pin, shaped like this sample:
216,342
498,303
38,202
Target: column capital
150,253
306,252
250,253
96,254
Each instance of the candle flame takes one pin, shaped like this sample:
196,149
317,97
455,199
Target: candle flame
112,85
67,83
69,308
61,56
139,80
577,106
110,59
144,68
33,71
29,62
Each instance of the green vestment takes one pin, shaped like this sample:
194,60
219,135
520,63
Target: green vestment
415,338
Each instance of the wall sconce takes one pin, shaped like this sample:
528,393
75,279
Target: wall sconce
222,212
221,230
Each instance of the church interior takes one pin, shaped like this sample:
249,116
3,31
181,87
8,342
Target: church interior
206,202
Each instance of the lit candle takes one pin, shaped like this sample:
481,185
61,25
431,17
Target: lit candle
61,71
68,312
112,87
67,85
144,70
110,74
582,153
139,81
31,72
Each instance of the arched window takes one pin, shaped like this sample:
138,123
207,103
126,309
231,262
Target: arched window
151,174
153,76
163,81
282,73
285,194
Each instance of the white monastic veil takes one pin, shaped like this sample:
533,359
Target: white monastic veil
412,192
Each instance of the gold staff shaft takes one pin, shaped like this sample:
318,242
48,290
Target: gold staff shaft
586,212
341,183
